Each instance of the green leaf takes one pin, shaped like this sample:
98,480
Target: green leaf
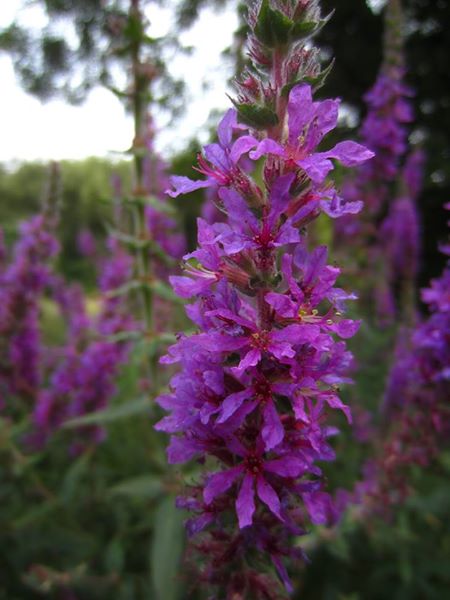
303,29
129,240
272,27
119,93
259,117
38,513
316,82
166,550
73,476
156,250
126,288
144,486
113,413
114,556
165,292
163,207
125,336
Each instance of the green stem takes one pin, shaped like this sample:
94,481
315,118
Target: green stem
143,262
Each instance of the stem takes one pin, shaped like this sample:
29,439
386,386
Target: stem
281,102
143,262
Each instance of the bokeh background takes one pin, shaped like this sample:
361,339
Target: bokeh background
99,525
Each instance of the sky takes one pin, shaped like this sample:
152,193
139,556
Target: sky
31,130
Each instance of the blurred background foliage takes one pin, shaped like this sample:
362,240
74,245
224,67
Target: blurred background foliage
101,527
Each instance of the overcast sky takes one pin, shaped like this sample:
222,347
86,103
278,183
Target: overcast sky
31,130
54,130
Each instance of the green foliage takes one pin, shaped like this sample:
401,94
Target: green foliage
84,184
272,27
101,524
166,550
404,559
259,117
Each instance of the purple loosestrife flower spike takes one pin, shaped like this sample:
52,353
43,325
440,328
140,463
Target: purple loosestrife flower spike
81,380
389,186
384,129
259,380
22,284
417,395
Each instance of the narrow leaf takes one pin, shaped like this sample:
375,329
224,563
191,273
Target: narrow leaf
145,486
113,413
166,550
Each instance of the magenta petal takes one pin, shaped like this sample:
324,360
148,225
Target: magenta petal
251,359
298,404
336,402
288,466
350,153
326,116
197,524
267,494
282,572
231,316
186,287
320,507
300,111
237,208
232,403
180,450
314,264
346,328
267,146
241,146
287,234
218,483
219,342
336,206
184,185
281,349
316,166
282,304
279,196
273,430
296,333
245,503
214,380
217,156
225,127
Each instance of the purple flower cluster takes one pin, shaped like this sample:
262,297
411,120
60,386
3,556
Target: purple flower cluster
81,378
162,227
308,123
390,236
389,111
400,232
22,284
417,398
383,130
259,383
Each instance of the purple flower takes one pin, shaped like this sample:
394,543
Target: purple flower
259,377
256,476
219,162
309,122
22,283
